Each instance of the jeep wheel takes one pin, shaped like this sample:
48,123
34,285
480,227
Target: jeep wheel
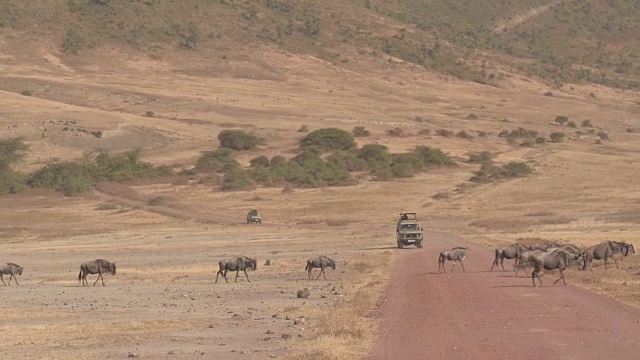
419,245
399,245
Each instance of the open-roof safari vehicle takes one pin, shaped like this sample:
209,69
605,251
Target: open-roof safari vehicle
409,230
254,217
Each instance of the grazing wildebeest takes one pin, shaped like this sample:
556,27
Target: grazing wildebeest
456,254
508,252
321,262
550,261
601,251
237,264
98,266
544,247
620,249
12,270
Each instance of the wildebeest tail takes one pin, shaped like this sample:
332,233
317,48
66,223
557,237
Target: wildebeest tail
307,267
80,275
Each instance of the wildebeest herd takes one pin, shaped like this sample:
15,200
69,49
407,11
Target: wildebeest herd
551,256
237,264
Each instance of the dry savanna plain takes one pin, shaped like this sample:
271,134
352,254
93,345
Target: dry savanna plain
167,235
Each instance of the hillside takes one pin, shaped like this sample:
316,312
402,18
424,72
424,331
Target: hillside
560,41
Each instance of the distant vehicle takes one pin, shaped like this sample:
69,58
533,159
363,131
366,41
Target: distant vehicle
254,217
409,231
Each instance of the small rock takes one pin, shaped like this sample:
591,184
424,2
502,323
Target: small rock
286,336
287,317
269,262
171,352
299,321
132,355
303,294
270,332
210,326
237,316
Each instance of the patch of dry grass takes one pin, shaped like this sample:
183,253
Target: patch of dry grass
346,331
624,216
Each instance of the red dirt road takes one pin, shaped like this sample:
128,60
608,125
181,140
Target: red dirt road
494,315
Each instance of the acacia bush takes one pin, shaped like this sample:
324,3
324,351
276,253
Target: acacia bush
491,172
12,152
329,139
238,179
219,160
360,131
66,177
481,157
237,140
556,136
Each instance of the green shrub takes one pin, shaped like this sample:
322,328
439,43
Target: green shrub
348,161
216,161
329,139
360,131
463,135
72,41
26,92
490,172
374,154
149,113
561,120
541,140
237,140
395,132
11,182
556,136
304,128
123,167
572,124
237,180
432,156
481,157
65,177
259,161
586,123
277,160
444,132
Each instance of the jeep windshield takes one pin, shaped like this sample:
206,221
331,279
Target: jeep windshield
409,227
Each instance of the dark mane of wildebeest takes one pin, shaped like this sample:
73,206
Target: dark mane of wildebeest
508,252
98,266
621,249
602,251
550,261
321,262
458,253
237,264
12,270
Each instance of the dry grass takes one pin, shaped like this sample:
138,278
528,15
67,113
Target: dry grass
346,330
625,216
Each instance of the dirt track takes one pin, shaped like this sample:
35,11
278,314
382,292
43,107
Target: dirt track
493,315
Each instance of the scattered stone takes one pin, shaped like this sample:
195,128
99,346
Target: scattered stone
132,355
303,293
286,336
269,262
210,326
237,316
270,332
299,321
171,352
287,317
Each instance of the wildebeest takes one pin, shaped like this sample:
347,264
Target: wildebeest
602,251
237,264
621,249
550,261
321,262
12,270
544,246
525,259
98,266
508,252
456,254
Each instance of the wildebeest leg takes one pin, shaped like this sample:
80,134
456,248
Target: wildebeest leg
217,274
605,263
309,273
247,276
237,273
461,264
14,278
501,263
320,273
560,278
99,276
454,265
2,278
324,275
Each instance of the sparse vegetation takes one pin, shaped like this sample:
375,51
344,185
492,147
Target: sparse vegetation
586,123
463,135
26,93
360,131
603,135
395,132
490,172
481,157
561,120
149,113
329,139
237,140
556,136
444,132
572,124
303,129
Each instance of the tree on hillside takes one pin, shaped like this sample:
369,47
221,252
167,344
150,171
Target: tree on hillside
12,151
561,120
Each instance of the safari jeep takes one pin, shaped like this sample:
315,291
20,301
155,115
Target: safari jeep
409,231
254,217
